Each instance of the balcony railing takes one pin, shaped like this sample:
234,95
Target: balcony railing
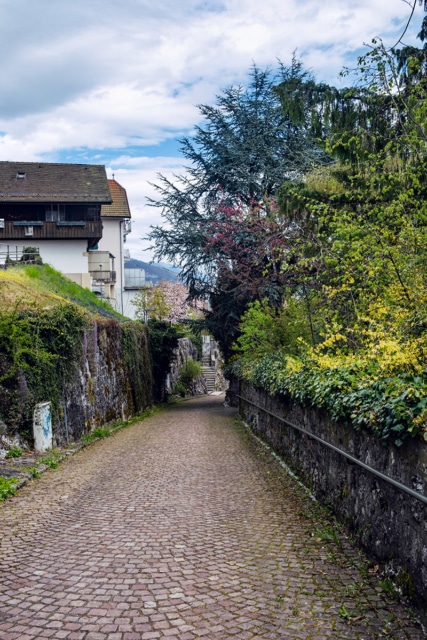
103,276
63,230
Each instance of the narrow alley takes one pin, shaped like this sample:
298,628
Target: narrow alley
182,527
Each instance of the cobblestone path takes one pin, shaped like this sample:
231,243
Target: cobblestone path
181,527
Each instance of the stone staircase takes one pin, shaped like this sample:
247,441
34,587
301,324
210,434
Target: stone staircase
209,374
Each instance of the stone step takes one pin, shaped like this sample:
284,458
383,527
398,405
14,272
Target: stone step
209,375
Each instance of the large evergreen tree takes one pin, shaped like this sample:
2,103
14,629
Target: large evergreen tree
245,148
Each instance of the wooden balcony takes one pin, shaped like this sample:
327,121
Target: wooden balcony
35,230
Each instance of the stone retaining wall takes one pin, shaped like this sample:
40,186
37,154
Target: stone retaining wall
112,382
182,353
185,350
389,524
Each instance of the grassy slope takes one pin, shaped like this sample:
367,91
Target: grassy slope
43,287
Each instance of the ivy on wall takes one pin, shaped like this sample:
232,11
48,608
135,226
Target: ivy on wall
39,350
134,342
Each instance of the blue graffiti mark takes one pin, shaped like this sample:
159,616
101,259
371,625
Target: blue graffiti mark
46,421
47,426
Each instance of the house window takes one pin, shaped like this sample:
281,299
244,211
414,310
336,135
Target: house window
55,212
93,212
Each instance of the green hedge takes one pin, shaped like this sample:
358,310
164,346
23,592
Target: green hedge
392,407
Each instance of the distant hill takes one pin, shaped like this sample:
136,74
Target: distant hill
168,266
153,272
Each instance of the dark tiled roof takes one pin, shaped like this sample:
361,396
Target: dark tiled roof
53,182
119,208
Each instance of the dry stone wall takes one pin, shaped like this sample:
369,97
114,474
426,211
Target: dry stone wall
185,350
108,379
112,382
388,523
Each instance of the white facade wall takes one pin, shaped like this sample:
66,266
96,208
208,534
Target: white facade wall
67,256
62,255
112,241
128,308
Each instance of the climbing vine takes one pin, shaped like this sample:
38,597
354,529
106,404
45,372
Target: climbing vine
351,335
134,341
39,350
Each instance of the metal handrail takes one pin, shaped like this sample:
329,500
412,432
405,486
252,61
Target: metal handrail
383,476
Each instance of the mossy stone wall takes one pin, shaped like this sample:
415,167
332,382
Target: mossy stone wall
388,523
112,382
93,372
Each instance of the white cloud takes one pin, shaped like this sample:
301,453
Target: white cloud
137,176
83,79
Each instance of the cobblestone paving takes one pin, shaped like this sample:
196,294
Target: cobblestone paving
181,527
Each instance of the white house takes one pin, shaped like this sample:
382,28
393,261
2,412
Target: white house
108,256
76,218
55,208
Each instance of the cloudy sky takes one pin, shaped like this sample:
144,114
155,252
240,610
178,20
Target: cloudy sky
117,82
